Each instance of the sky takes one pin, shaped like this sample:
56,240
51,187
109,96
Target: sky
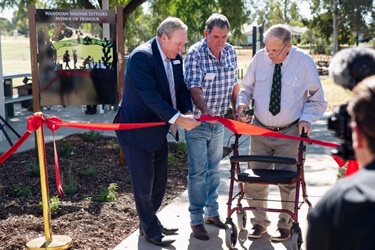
8,13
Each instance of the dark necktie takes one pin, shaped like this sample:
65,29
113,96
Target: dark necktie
275,97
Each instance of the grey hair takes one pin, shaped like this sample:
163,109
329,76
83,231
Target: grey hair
170,25
280,31
217,20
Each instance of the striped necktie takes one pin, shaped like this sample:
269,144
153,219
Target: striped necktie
171,82
174,127
275,97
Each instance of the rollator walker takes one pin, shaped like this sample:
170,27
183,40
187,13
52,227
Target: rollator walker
263,176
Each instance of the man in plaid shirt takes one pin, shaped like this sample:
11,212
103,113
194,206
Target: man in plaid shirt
211,77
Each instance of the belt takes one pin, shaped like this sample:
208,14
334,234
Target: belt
273,128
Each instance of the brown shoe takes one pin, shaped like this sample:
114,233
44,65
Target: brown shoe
281,234
200,232
214,220
256,232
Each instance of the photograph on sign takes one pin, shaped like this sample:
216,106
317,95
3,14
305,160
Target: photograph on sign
77,63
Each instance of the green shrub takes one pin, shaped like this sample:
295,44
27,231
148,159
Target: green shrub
33,171
89,171
54,205
70,183
107,194
66,149
21,191
172,160
92,135
181,146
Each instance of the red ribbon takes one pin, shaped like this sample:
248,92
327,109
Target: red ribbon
15,146
115,126
352,167
54,123
248,129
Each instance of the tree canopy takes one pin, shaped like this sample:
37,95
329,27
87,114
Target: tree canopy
355,19
195,13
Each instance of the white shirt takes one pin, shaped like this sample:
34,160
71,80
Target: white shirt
302,95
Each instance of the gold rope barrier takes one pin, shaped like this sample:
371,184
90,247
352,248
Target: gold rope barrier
57,242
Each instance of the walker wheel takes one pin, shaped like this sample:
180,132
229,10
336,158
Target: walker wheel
242,236
230,235
241,219
296,239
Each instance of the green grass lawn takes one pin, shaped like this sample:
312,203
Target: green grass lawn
335,94
15,54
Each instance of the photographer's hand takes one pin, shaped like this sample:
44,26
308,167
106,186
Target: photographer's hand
304,126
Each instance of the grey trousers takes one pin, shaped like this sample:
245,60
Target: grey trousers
262,145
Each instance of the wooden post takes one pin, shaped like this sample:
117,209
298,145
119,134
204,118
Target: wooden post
121,62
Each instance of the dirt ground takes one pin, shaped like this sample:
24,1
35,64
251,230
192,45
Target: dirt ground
88,167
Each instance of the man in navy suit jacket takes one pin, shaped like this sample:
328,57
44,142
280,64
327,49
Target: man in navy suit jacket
147,98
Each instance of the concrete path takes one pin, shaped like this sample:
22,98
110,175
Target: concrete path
320,173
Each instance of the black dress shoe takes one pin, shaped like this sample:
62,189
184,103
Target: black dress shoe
164,230
160,241
200,232
168,231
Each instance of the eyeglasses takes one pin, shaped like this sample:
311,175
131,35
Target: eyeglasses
272,53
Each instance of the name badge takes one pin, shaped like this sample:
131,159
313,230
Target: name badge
176,62
209,76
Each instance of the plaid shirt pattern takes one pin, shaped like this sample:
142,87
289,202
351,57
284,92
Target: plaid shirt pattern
215,78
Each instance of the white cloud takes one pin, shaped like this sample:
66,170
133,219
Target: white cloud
7,13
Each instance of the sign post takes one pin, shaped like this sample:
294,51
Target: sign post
72,66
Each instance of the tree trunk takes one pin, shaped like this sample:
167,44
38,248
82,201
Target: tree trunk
334,10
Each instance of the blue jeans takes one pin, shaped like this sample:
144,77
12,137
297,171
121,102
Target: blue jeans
205,150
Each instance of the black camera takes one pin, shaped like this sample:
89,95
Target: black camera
348,68
339,122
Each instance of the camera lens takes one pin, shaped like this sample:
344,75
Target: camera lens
339,122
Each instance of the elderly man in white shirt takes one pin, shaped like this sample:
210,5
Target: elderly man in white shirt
283,84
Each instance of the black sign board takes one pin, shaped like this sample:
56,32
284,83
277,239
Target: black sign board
77,61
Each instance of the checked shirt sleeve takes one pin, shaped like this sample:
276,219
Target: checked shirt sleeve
193,73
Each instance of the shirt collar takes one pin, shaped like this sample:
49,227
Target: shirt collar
163,56
209,52
287,58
